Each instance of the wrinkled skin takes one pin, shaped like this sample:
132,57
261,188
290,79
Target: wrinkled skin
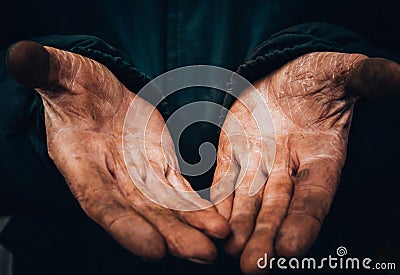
85,107
311,101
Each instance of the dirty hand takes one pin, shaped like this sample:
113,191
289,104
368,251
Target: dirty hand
278,209
85,107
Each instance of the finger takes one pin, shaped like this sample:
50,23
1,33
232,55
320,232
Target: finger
109,209
182,240
225,176
98,196
275,202
245,209
205,219
375,78
223,186
36,66
74,88
314,189
28,63
51,69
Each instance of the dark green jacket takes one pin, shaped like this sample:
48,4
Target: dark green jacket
138,41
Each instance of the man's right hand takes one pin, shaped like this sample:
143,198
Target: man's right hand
85,108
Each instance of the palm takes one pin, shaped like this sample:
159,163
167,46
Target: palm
279,208
85,109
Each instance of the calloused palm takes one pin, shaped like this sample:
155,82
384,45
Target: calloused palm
311,101
85,108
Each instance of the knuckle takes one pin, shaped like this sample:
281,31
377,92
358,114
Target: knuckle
276,200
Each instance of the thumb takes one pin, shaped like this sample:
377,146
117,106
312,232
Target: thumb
72,84
54,70
375,78
28,63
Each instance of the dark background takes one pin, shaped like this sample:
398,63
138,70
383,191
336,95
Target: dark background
50,232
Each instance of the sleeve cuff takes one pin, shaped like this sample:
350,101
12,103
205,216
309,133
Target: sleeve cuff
294,42
95,48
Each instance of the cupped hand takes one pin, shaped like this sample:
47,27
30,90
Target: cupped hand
85,107
310,100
